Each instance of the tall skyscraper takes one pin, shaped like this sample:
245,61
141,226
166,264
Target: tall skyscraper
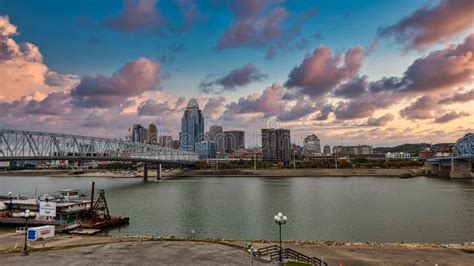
276,144
234,140
216,134
152,134
192,127
327,149
139,134
311,145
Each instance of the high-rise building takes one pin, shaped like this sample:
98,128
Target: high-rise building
234,140
327,149
276,144
152,134
216,134
165,141
139,134
206,149
311,145
192,127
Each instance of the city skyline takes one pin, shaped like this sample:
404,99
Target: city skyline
310,67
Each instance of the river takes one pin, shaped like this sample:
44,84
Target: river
377,209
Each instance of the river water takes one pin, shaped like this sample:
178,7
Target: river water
319,208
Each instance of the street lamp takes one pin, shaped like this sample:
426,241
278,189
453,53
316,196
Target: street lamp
10,207
280,219
27,215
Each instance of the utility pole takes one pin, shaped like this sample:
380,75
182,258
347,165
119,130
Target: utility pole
335,158
294,159
254,160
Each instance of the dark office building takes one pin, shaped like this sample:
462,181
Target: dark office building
276,144
234,140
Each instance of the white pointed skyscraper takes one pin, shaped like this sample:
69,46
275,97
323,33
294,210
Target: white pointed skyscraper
192,127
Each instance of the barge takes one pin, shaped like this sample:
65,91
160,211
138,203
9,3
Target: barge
68,211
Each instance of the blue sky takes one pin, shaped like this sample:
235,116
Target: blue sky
63,29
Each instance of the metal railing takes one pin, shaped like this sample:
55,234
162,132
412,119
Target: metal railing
273,254
30,145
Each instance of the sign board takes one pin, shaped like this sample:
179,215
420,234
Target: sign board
48,208
4,164
40,233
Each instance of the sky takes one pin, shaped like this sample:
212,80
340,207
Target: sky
352,72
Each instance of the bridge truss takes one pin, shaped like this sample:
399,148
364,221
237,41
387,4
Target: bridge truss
29,145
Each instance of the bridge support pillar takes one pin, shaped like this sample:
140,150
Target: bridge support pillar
432,169
145,171
443,170
158,172
461,169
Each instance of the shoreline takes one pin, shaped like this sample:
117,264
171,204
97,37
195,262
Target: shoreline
316,172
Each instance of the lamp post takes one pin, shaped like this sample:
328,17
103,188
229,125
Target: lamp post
10,207
27,214
280,219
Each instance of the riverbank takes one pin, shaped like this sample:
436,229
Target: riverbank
345,172
79,250
176,173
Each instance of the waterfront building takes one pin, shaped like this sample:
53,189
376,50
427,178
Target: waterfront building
206,149
192,127
352,150
425,154
327,149
311,145
247,154
139,134
216,134
234,140
165,141
152,134
398,155
276,144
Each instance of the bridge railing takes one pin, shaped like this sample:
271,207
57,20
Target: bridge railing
18,144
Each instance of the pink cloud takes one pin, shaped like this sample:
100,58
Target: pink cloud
321,71
132,80
429,25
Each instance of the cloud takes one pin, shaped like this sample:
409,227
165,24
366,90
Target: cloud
320,72
353,88
442,69
213,106
261,24
448,117
324,112
364,106
380,121
435,74
238,77
132,80
22,71
424,107
142,16
301,109
458,97
428,25
136,15
268,103
152,108
56,103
